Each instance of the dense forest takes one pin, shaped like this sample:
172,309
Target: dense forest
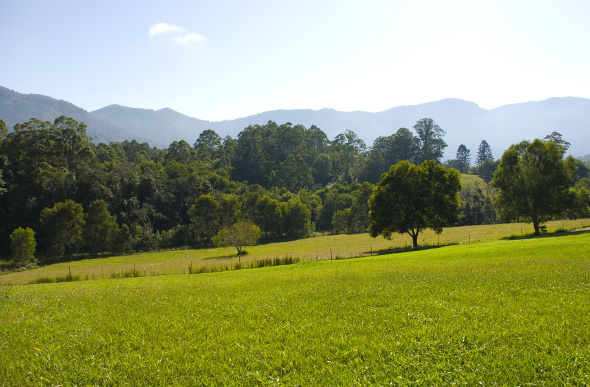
291,181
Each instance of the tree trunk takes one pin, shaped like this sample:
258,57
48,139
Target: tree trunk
415,240
239,254
536,226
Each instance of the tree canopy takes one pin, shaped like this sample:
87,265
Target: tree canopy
410,198
240,234
22,246
534,182
431,136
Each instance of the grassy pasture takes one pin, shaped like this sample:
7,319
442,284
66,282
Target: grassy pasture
472,181
316,248
509,312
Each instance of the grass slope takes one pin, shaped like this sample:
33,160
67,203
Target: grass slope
472,181
316,248
510,312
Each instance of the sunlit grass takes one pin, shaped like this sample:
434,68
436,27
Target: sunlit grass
472,181
509,312
315,248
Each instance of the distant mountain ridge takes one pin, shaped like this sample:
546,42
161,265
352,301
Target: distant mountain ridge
465,122
161,127
17,108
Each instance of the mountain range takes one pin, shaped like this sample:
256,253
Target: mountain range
464,122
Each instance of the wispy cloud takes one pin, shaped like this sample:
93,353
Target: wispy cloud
178,34
188,38
162,28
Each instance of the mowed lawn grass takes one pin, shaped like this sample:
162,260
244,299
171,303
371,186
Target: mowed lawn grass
315,248
510,312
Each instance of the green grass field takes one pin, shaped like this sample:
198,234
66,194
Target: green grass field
507,312
316,248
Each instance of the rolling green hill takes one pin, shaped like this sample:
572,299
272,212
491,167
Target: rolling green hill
510,312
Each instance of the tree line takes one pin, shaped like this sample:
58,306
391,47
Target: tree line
74,196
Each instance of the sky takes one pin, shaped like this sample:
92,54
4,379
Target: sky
222,59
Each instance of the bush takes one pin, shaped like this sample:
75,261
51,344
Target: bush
23,245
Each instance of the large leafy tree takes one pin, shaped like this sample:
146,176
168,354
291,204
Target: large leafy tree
315,143
100,230
386,151
228,210
557,138
322,169
294,174
203,216
208,145
581,196
402,145
410,198
346,148
431,136
487,169
534,182
297,219
251,159
61,227
268,213
180,152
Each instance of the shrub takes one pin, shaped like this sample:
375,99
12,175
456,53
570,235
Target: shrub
23,245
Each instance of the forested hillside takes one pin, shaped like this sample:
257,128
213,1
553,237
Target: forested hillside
289,180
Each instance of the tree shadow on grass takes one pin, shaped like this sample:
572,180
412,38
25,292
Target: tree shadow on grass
407,249
221,257
556,233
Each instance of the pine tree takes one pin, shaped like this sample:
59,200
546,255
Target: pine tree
484,152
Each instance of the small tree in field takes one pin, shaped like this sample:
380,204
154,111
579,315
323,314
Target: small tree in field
240,234
22,245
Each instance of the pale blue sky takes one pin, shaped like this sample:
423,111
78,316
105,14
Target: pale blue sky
226,59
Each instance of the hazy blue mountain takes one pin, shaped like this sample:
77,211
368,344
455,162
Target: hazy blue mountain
161,127
17,108
465,122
